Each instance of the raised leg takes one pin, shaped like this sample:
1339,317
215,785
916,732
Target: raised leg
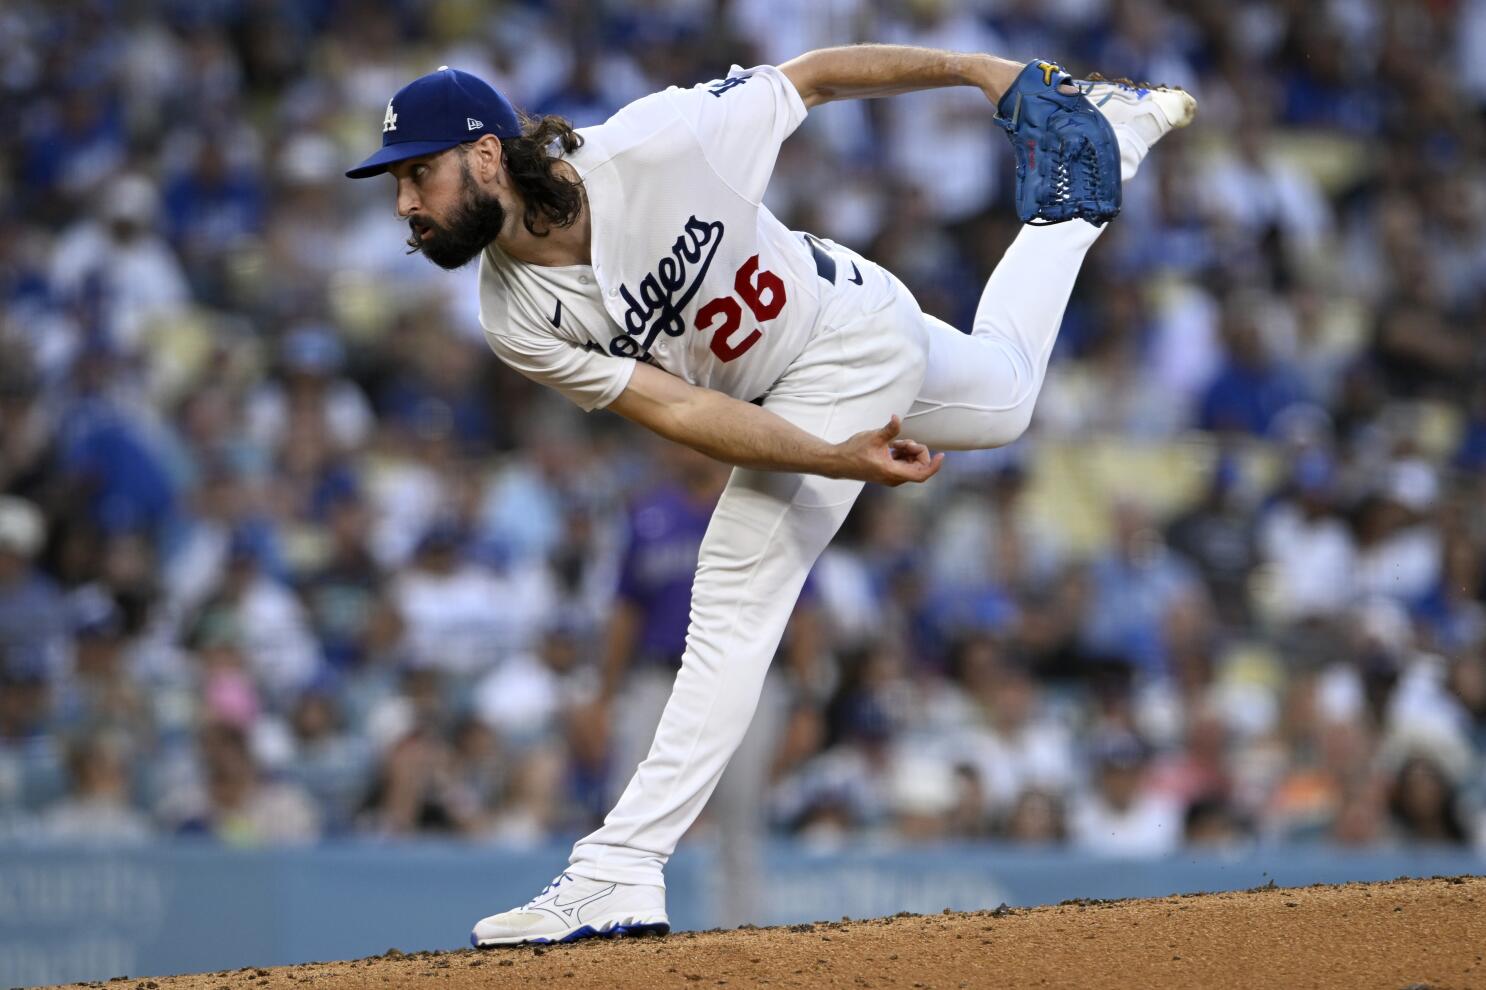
980,388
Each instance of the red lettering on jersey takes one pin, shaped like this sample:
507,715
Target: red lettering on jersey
752,293
763,293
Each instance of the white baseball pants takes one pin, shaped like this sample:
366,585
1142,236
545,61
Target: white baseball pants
739,804
876,354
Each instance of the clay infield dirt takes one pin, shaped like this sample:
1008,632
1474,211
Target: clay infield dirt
1399,935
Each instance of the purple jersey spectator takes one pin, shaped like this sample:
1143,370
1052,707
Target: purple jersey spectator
666,527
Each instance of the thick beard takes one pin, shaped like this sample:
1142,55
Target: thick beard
473,224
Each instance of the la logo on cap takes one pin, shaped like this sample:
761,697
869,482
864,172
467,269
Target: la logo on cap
389,122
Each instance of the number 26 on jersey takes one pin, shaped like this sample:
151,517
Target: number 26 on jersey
761,291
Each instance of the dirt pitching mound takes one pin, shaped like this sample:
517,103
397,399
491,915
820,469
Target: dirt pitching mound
1400,935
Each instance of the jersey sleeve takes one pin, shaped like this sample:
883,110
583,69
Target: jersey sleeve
740,122
590,378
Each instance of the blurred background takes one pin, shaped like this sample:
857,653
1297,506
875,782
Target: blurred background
287,558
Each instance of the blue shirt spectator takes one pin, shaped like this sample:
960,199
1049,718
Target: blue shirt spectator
212,206
110,458
1250,389
1136,584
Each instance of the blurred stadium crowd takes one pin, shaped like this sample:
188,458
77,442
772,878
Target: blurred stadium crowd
286,554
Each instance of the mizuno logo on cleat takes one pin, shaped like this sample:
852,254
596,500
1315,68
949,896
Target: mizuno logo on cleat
571,906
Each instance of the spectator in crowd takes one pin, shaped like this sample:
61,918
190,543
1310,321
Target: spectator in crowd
1017,747
847,786
238,805
114,267
1426,805
264,621
1122,815
1137,584
529,694
1211,824
345,591
33,613
212,206
310,395
1307,544
444,601
98,807
1325,780
1251,388
32,758
1398,548
28,426
1218,536
102,693
1036,819
417,790
112,449
331,764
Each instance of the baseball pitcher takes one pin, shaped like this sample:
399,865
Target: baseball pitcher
632,266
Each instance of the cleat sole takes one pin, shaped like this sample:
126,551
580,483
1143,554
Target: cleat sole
587,931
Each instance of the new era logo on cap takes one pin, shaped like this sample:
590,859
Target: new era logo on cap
473,124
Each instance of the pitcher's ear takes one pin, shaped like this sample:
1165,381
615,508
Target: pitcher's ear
486,157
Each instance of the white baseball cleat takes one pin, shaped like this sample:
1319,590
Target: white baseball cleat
572,907
1141,114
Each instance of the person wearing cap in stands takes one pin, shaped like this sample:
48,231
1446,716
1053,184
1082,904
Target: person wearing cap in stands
1122,815
311,357
120,256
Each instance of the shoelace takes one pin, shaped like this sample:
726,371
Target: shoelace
1095,77
553,885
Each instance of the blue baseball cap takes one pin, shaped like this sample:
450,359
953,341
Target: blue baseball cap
436,112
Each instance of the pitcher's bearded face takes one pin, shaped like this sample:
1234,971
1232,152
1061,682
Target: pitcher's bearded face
471,223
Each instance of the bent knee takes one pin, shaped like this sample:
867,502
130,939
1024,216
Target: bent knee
1007,425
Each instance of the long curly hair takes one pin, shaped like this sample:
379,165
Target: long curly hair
551,200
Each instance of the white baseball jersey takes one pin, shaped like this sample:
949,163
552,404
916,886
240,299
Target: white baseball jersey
690,271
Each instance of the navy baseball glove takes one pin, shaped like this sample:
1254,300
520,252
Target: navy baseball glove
1067,158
